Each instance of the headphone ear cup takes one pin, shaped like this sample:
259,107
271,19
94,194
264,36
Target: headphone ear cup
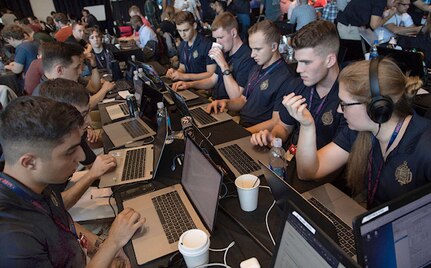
380,109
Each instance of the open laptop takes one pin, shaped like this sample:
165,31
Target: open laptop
302,243
138,163
120,110
325,200
198,113
396,234
198,195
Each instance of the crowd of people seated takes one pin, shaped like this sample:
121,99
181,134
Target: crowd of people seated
353,124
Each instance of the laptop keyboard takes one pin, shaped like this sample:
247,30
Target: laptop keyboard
239,159
121,85
173,215
134,165
344,232
134,128
124,108
201,116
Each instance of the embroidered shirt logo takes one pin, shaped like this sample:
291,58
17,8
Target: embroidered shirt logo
403,175
195,54
327,118
264,85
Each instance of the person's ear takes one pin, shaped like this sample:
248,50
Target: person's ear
274,47
234,32
28,161
331,60
195,25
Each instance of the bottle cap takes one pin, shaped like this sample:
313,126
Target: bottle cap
277,142
160,105
135,72
140,70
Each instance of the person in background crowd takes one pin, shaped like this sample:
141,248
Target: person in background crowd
88,19
386,146
25,50
64,29
146,34
272,9
303,14
78,35
7,17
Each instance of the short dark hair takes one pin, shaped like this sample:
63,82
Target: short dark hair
36,123
136,21
269,29
60,17
64,90
318,34
184,17
226,21
86,10
59,52
13,31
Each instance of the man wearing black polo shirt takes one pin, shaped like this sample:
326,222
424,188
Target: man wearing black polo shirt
195,63
316,47
231,74
360,13
267,82
41,143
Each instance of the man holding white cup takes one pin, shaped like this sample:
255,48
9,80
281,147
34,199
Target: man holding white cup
231,74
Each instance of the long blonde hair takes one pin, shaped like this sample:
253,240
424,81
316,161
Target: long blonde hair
393,83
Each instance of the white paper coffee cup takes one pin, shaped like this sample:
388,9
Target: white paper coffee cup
247,186
216,45
194,245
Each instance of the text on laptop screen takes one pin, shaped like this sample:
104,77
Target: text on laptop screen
300,248
201,182
400,238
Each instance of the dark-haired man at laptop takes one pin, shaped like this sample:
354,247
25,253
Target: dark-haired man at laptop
41,143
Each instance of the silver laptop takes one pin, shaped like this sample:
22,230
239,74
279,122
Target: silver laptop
137,164
198,113
242,157
117,111
186,94
128,131
327,200
198,196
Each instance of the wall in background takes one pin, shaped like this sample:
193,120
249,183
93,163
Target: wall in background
42,8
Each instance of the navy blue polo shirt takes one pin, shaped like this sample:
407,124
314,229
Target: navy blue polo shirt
195,58
406,168
358,12
264,90
29,235
240,64
324,110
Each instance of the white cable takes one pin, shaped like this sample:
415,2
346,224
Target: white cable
225,253
213,264
266,222
267,187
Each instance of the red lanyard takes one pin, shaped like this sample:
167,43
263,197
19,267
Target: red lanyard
257,77
372,188
21,193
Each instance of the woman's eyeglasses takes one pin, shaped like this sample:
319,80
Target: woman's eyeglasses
343,104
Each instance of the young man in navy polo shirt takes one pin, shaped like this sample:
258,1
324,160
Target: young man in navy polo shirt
316,47
267,82
41,144
195,63
231,74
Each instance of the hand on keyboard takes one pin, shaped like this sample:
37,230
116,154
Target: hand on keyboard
262,138
124,227
217,106
101,165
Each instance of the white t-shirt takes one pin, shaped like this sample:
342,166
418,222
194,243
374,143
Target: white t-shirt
403,20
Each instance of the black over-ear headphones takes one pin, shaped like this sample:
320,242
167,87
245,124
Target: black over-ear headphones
380,107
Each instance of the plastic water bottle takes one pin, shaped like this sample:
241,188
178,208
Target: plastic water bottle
1,65
277,163
373,50
107,37
161,113
135,79
141,72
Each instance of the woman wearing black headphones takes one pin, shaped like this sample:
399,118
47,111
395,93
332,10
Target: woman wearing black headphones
387,147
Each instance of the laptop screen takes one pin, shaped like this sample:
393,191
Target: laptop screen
302,244
398,234
201,180
179,102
